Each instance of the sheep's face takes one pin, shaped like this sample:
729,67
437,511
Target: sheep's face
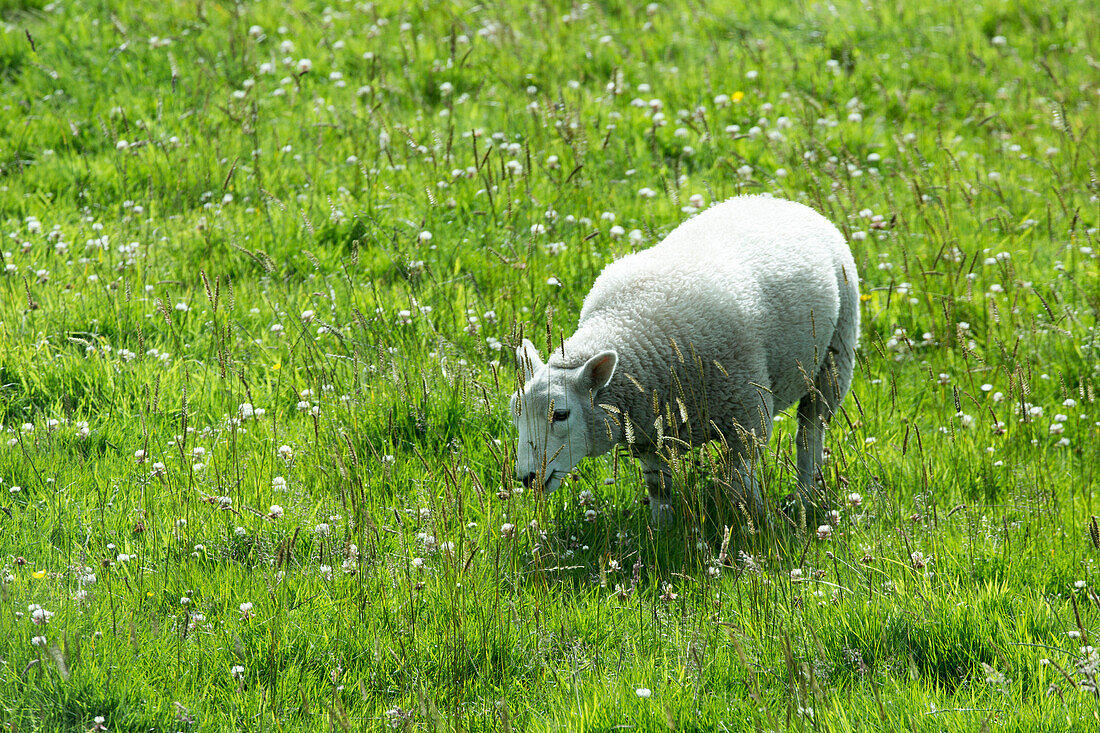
556,415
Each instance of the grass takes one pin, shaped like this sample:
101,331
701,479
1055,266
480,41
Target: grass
344,217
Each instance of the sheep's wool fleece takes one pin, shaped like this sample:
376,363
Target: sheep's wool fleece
724,322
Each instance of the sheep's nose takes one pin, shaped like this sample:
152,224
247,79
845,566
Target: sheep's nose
528,479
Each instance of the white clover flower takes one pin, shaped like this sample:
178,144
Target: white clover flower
39,615
304,66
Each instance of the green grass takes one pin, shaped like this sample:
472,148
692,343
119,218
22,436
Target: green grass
193,220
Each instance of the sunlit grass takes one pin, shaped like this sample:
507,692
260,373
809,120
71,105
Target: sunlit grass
263,270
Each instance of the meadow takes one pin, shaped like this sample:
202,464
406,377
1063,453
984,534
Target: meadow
263,269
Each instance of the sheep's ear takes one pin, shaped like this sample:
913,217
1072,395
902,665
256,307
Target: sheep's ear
527,358
597,371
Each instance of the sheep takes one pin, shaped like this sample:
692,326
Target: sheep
740,312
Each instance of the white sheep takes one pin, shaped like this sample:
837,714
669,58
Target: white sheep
740,312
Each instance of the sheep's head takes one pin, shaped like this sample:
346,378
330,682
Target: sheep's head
557,415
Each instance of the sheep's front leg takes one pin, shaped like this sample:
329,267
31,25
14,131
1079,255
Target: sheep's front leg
658,482
746,488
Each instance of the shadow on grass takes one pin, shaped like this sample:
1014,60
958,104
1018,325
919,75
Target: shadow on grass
705,528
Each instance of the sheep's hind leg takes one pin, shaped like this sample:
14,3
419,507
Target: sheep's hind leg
815,410
658,482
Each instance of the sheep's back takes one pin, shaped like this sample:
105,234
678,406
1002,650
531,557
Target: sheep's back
753,283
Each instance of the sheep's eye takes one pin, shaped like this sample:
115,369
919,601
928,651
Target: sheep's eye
561,415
